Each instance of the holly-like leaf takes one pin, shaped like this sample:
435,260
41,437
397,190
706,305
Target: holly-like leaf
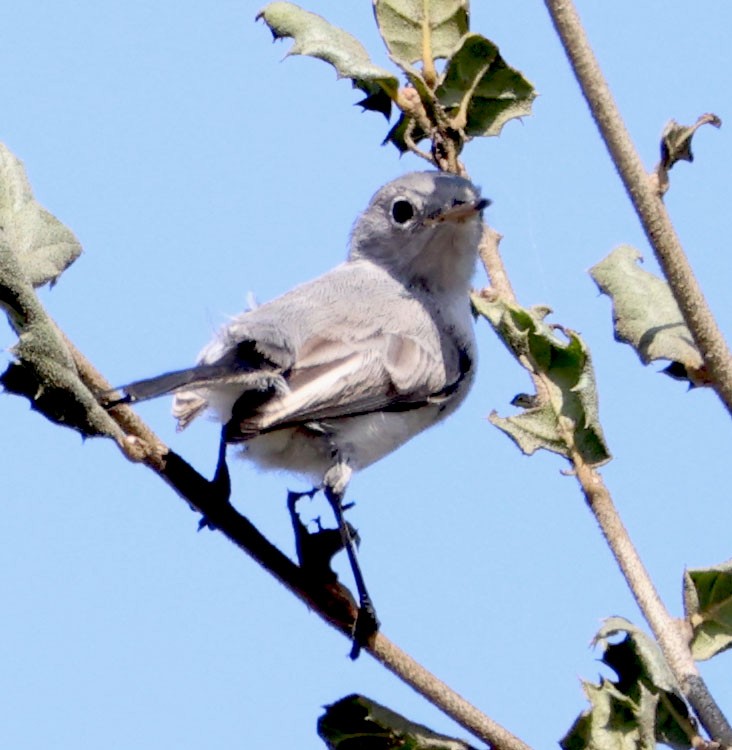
641,708
358,722
479,91
708,605
566,419
43,246
418,30
646,316
316,37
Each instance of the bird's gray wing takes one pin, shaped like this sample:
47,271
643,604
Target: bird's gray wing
333,378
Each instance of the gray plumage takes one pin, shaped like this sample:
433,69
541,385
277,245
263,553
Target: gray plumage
342,370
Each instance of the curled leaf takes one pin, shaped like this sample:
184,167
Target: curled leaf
638,710
646,316
358,722
708,605
676,145
565,419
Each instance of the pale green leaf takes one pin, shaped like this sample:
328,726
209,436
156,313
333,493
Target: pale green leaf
567,419
708,604
314,36
637,655
42,245
645,314
415,30
479,91
358,722
34,249
609,724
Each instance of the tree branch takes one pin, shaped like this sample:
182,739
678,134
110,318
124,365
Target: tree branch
667,631
642,189
330,600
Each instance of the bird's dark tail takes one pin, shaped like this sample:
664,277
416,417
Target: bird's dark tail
169,382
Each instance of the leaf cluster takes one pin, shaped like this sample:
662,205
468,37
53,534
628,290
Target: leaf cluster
475,94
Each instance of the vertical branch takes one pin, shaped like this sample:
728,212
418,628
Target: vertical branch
649,207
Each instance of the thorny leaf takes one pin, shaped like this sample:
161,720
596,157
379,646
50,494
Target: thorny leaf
646,316
568,418
480,92
641,708
415,30
357,722
708,606
315,37
475,96
43,246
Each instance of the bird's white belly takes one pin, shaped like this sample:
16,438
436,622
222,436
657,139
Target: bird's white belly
359,441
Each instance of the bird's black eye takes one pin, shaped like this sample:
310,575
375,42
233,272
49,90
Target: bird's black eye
402,211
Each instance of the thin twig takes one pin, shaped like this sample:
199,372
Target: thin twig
642,189
500,285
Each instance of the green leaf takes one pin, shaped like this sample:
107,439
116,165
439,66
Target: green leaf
643,707
567,419
708,605
34,249
611,722
481,92
637,656
415,30
43,246
356,722
646,316
315,37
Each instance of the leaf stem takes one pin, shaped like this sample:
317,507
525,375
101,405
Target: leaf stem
428,64
642,190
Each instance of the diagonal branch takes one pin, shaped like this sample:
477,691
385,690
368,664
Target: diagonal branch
330,601
707,336
668,632
642,190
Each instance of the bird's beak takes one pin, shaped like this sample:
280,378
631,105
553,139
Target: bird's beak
460,211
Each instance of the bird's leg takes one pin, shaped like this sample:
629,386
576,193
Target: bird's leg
335,482
220,485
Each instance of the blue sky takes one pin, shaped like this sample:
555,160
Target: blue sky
196,167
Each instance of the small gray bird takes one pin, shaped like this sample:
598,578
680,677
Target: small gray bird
340,371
